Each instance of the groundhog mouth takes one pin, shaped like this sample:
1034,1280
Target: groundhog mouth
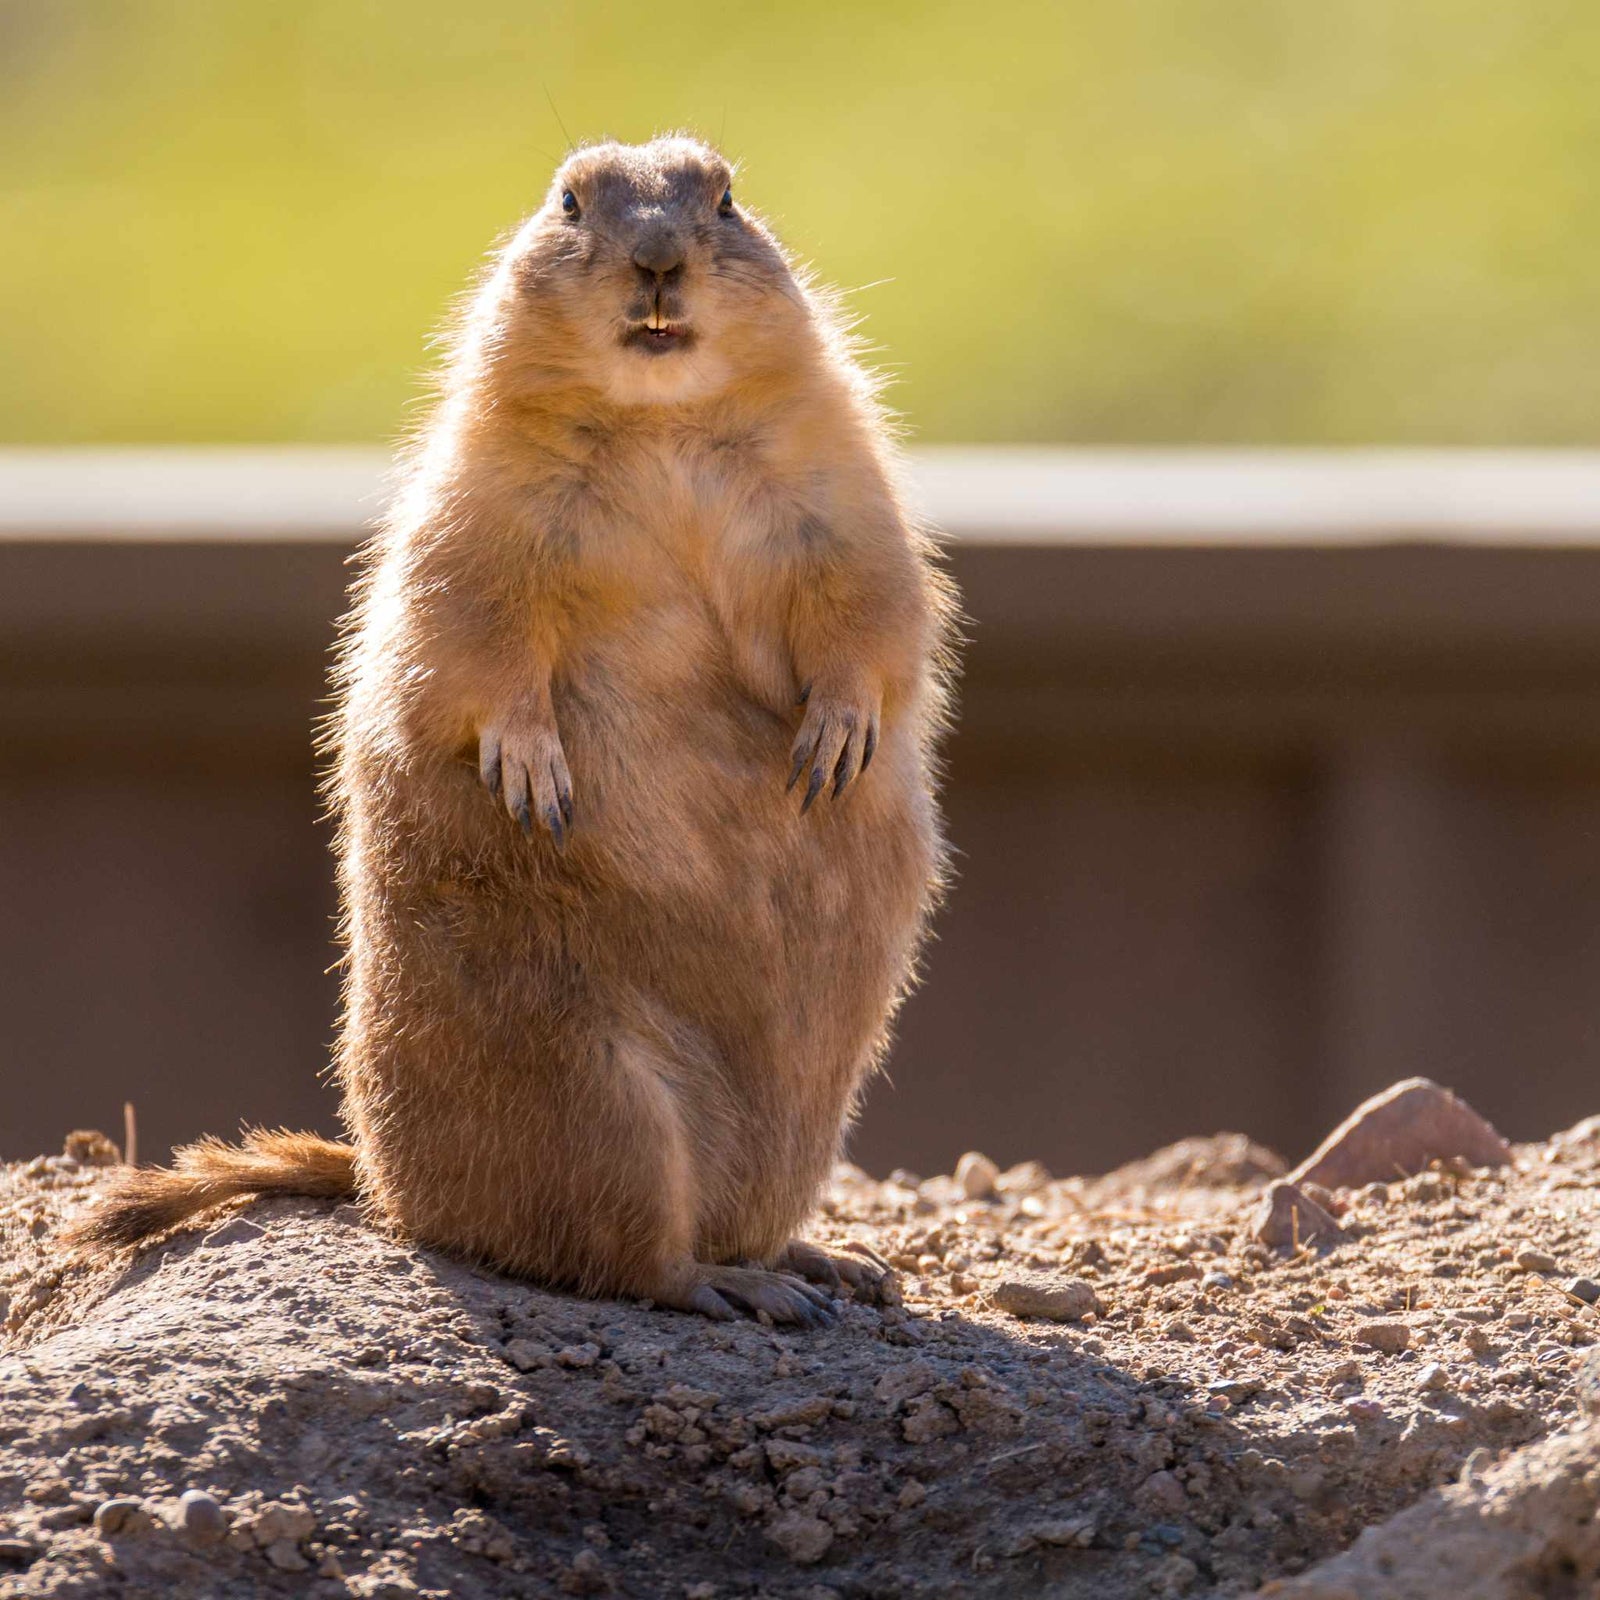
657,335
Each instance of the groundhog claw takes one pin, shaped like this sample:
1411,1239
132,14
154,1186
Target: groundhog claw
526,770
837,739
709,1303
753,1290
864,1278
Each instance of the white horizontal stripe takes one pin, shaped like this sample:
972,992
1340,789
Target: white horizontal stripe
1016,494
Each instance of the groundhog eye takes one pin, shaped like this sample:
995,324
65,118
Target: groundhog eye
725,204
569,202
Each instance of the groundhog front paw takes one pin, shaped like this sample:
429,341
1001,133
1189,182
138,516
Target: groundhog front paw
836,739
525,769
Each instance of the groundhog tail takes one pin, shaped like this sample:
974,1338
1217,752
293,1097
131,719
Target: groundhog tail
141,1201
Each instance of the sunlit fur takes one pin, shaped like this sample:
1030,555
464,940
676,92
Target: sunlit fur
614,1063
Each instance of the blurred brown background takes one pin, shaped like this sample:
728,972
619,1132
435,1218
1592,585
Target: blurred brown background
1277,775
1248,826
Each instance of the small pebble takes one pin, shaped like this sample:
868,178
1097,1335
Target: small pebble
804,1539
1169,1272
1389,1337
1068,1533
1234,1390
1054,1299
1433,1377
1535,1261
1287,1217
18,1553
68,1516
525,1355
200,1518
1216,1280
277,1523
120,1515
285,1555
1585,1289
976,1175
238,1231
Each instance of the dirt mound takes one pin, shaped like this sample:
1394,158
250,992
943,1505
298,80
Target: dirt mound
288,1404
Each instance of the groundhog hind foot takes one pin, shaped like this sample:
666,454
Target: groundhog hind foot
723,1293
867,1280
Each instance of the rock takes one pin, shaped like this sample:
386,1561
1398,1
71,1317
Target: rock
285,1555
804,1539
525,1355
238,1230
1054,1299
1519,1527
1432,1378
1584,1289
796,1413
585,1574
789,1455
1216,1280
578,1356
200,1518
68,1516
18,1552
1535,1261
1586,1383
91,1148
976,1176
1389,1337
1159,1277
1027,1177
1287,1215
1161,1494
1236,1391
927,1419
1398,1133
121,1516
1223,1161
1066,1533
904,1382
1174,1576
277,1522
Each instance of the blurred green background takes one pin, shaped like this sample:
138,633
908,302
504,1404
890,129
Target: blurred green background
1148,220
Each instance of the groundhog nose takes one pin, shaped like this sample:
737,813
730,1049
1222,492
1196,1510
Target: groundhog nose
658,254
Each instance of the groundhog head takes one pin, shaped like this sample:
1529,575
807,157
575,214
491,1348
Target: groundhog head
643,276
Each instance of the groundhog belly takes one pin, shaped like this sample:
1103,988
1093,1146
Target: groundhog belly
679,773
773,943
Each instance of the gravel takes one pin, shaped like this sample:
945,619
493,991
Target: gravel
287,1403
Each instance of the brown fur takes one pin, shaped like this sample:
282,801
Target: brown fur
605,1024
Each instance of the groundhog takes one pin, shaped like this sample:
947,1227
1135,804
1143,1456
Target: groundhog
633,767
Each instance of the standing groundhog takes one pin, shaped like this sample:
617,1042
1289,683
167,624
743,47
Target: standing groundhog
633,769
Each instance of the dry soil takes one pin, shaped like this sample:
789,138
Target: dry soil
283,1402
